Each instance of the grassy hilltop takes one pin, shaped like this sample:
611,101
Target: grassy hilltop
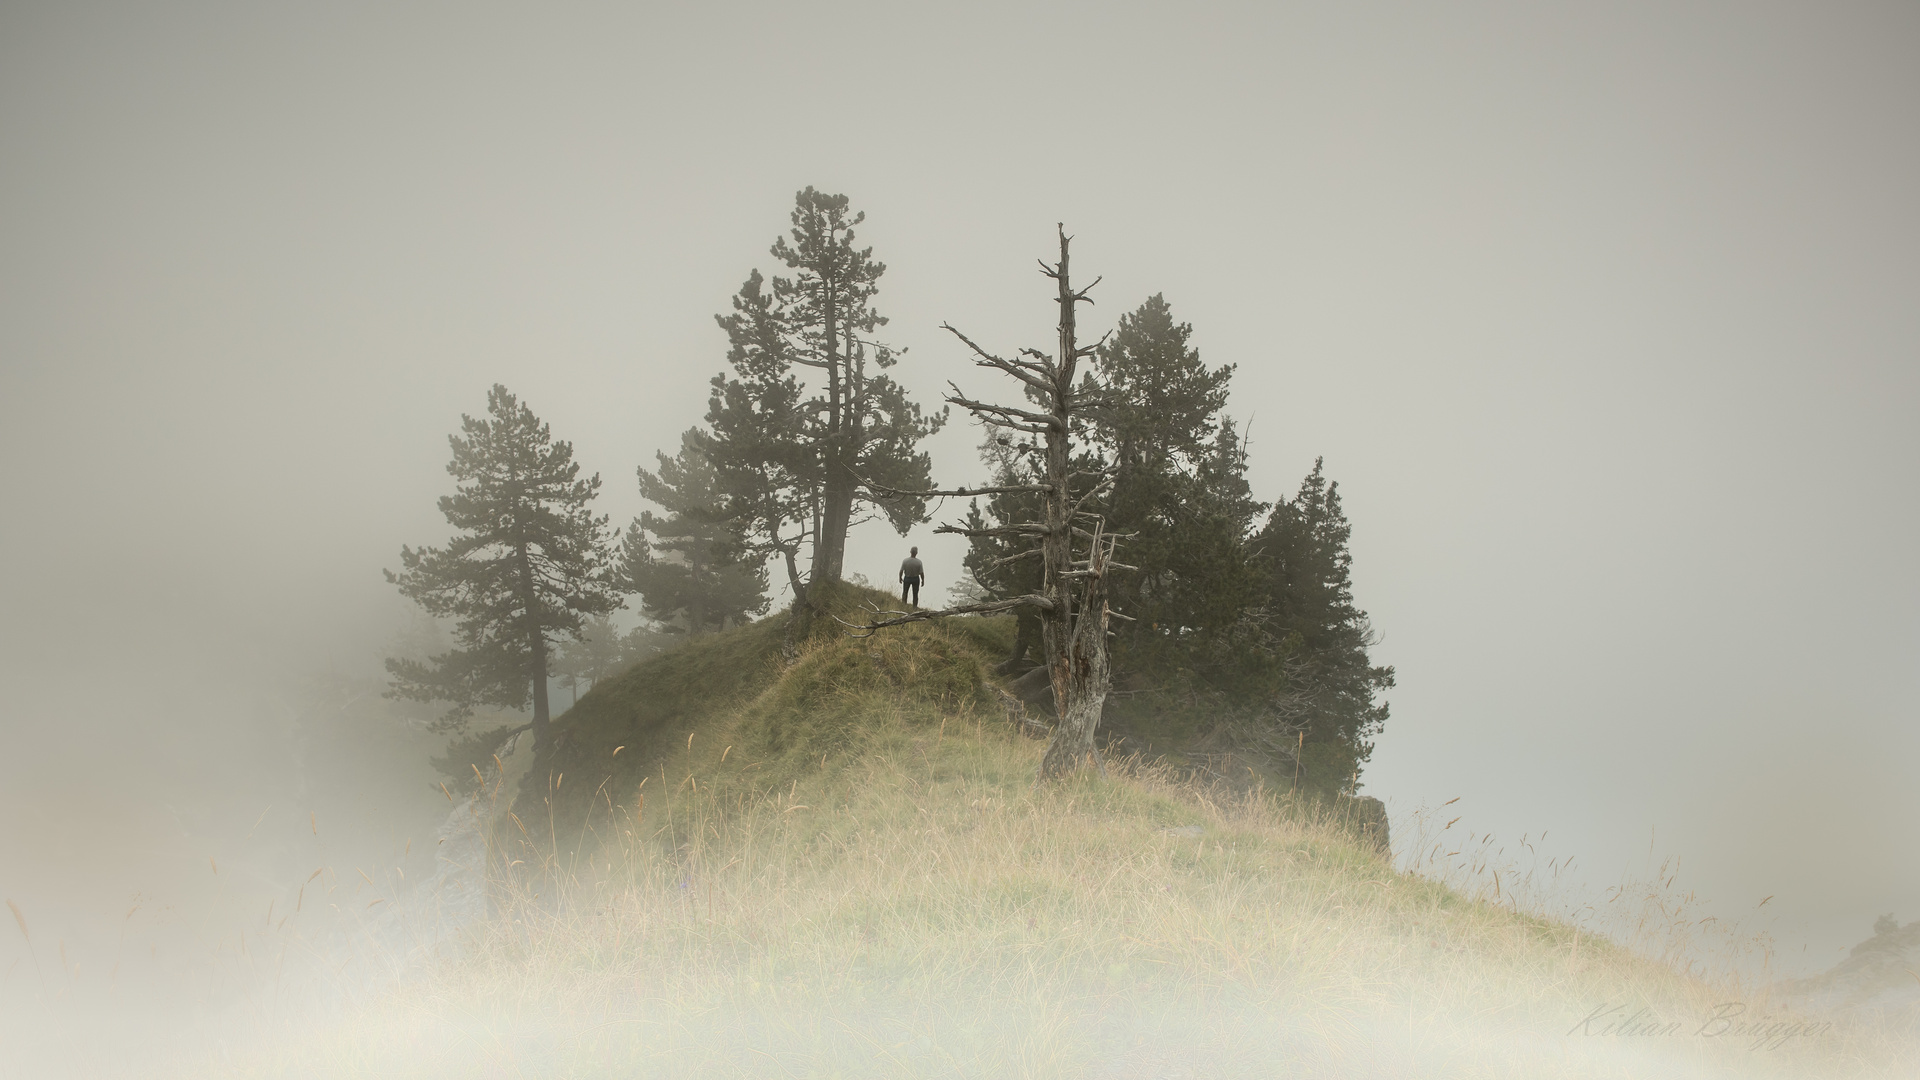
825,856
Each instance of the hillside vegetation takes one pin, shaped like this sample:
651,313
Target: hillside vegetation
816,855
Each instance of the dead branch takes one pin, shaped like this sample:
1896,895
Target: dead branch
1047,421
960,491
1089,350
901,618
1034,375
1030,528
1011,425
1078,566
1044,367
1105,483
1014,558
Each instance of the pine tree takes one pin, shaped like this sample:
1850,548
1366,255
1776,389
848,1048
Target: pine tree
1335,685
696,571
1178,494
530,561
793,458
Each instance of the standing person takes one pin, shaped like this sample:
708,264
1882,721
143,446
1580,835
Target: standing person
911,574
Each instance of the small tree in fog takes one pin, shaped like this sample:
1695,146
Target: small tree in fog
530,562
601,651
697,569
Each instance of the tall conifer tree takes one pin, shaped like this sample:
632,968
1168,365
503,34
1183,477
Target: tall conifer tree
530,561
793,453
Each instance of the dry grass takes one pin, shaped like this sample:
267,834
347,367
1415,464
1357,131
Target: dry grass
917,908
849,872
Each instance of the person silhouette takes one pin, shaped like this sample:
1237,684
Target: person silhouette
911,574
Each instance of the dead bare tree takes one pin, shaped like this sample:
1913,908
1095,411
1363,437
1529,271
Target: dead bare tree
1072,602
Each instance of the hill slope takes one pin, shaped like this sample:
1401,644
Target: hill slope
838,863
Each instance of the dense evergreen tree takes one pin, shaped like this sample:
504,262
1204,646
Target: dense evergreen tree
1179,495
530,561
1325,638
1242,631
697,574
792,456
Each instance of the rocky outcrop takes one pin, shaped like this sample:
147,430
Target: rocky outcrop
1366,817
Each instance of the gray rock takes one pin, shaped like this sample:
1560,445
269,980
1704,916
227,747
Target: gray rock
1366,817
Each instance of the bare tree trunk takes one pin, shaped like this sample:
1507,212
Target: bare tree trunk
793,571
536,651
541,733
1074,635
1073,629
1088,675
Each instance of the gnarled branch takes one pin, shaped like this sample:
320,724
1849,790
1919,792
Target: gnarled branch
1047,421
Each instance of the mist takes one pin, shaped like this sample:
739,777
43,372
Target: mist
1604,321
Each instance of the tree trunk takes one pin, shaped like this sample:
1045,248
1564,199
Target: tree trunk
541,732
829,521
836,511
536,653
1074,634
1088,675
818,563
793,572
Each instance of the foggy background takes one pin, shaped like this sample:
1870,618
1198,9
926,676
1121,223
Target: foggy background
1606,322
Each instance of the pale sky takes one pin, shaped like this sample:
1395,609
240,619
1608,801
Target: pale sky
1607,321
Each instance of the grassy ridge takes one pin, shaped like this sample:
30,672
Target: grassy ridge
778,697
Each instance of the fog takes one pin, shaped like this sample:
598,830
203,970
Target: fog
1605,321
